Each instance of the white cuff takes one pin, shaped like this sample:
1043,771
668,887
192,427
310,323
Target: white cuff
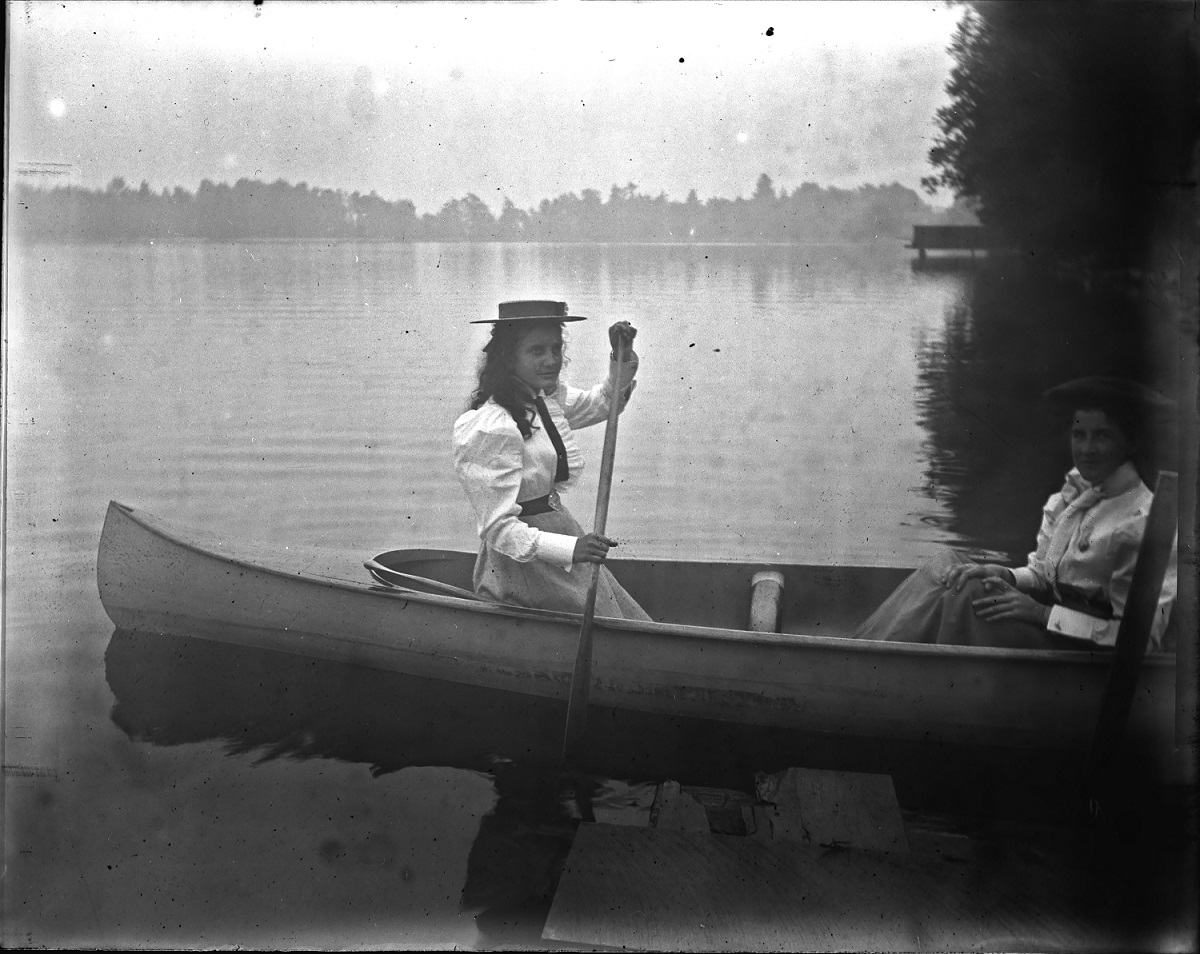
1068,622
1025,579
556,548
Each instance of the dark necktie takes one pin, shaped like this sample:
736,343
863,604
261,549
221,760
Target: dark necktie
562,472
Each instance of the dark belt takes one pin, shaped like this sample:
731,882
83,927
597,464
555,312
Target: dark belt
1073,598
530,508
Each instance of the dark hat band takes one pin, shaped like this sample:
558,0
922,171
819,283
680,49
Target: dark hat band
1109,391
531,311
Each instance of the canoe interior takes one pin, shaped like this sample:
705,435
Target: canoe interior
816,600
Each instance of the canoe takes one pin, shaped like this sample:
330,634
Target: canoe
698,659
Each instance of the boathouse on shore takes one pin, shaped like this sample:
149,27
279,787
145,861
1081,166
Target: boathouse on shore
952,238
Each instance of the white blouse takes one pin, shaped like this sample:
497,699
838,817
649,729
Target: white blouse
1094,551
498,468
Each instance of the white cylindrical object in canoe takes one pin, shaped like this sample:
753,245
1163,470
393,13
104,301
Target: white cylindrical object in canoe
766,590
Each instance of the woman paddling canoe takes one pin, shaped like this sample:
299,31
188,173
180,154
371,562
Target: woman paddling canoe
1072,591
515,451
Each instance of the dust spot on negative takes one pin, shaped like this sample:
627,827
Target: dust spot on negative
331,850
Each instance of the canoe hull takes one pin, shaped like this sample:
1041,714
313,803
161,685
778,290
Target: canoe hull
154,578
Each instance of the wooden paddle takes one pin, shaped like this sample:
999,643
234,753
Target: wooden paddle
581,678
1133,634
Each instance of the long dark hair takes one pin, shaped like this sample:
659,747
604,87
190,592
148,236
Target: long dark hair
496,378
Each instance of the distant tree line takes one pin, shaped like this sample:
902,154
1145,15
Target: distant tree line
253,209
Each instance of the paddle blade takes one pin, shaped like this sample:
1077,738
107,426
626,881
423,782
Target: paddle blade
581,677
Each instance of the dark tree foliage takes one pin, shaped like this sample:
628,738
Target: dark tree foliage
1069,123
1016,332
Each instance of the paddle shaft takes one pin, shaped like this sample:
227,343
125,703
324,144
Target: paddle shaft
1133,634
581,677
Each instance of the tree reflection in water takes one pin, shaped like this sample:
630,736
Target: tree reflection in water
995,451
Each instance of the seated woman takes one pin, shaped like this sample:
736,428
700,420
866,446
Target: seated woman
1072,591
515,451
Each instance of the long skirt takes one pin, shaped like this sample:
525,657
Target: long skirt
923,610
546,586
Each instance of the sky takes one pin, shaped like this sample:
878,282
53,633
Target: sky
525,101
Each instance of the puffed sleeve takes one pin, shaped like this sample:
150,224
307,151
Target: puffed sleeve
584,408
488,461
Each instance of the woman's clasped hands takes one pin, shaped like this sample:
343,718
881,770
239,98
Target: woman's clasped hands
960,574
1001,599
1005,601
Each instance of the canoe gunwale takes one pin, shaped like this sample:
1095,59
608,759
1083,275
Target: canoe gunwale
633,627
161,578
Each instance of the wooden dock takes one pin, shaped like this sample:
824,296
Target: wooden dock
831,866
952,238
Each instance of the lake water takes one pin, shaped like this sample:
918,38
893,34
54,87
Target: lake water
800,404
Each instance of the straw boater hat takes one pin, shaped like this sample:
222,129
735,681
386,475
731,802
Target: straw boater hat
1141,411
531,311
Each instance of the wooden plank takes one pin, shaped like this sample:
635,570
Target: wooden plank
676,810
1141,608
1186,256
842,809
729,812
657,890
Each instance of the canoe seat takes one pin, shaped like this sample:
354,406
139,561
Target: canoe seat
398,579
766,592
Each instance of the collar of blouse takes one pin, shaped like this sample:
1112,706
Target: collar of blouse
1121,480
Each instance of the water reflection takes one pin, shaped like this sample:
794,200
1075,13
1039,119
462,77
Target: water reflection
994,448
760,274
173,690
